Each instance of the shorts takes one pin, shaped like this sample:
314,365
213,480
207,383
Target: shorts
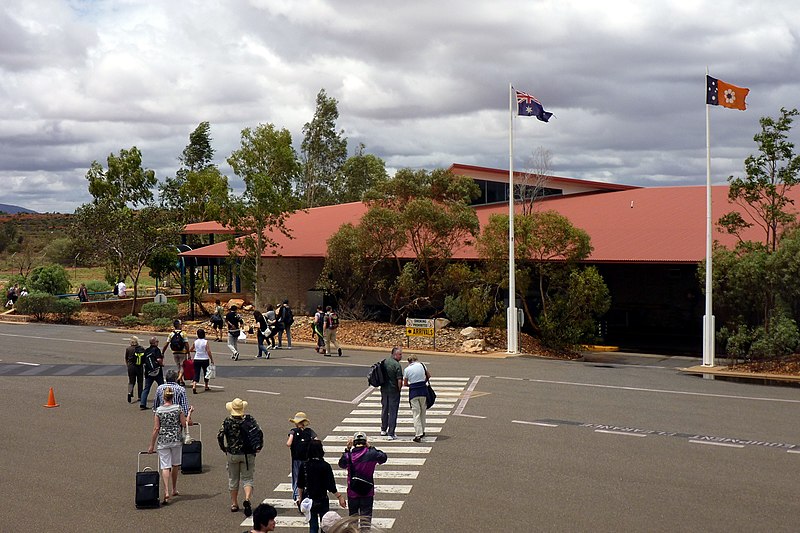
240,469
170,456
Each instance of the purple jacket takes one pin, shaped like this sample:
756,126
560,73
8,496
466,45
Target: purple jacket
364,462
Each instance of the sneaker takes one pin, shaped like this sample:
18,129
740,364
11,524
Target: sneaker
247,509
236,356
391,437
383,433
233,357
417,439
129,397
259,356
143,407
340,352
288,347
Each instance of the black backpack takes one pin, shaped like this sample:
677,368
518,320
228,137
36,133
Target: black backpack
302,442
288,316
151,366
333,320
176,342
252,436
115,290
377,375
138,352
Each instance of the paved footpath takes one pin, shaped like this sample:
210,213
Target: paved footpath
393,480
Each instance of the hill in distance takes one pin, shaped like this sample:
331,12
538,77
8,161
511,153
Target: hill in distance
14,209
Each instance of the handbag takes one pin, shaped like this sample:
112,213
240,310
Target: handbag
242,335
211,371
360,486
430,394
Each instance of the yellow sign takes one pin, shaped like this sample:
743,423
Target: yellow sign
419,332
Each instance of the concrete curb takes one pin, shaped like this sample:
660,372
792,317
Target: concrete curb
723,372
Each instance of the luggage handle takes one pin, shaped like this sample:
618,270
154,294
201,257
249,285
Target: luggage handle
199,431
139,458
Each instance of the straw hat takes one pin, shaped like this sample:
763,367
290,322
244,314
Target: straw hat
300,416
236,407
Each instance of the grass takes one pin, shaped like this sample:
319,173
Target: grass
85,274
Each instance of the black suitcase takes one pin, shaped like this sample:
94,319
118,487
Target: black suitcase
147,485
192,454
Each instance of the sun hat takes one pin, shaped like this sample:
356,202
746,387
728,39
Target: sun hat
360,438
328,519
236,407
300,416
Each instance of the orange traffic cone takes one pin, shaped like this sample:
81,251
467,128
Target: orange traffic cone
51,400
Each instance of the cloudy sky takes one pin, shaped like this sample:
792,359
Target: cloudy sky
420,83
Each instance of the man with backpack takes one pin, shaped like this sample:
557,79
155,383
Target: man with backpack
241,438
360,460
331,326
153,363
390,392
134,360
286,318
178,343
234,322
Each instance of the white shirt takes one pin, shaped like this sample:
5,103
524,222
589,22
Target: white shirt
414,372
121,288
201,349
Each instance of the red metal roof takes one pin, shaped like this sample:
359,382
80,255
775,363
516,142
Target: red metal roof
205,228
500,175
641,225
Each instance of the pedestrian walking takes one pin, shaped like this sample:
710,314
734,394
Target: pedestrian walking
178,343
202,358
390,392
272,322
169,422
241,439
416,377
178,391
134,355
331,326
83,293
300,437
286,319
360,460
315,481
218,320
153,370
234,323
262,328
318,327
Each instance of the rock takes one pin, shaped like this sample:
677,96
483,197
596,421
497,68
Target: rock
469,332
474,345
441,323
238,302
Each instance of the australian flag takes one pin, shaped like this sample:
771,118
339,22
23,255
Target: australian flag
529,106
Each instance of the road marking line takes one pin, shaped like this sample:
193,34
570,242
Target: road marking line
27,364
376,429
316,362
463,403
468,416
327,400
264,392
619,433
543,424
661,391
288,503
380,489
300,522
358,399
725,444
793,451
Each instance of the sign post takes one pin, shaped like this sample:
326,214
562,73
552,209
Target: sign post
420,327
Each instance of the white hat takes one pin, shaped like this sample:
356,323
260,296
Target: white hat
328,519
305,507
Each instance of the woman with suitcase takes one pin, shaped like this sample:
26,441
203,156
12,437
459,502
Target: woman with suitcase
168,424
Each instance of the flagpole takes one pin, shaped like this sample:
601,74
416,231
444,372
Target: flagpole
511,317
708,318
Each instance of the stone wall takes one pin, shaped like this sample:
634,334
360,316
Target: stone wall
289,278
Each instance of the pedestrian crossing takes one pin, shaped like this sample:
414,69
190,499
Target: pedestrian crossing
394,479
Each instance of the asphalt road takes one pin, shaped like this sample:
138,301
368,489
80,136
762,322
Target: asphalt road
619,443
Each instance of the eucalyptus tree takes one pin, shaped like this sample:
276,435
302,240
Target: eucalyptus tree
324,151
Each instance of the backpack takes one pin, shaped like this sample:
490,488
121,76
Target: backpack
288,316
376,375
138,353
333,320
151,366
252,436
115,290
176,342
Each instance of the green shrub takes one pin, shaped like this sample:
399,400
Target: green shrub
36,304
65,308
97,286
162,323
470,308
131,321
456,310
743,342
152,311
52,279
61,251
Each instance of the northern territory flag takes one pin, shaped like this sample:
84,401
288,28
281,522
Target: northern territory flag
720,93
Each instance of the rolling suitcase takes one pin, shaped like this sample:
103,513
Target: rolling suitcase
147,484
192,454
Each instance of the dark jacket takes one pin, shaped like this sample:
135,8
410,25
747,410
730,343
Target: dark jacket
316,480
364,460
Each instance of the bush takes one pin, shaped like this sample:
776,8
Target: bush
65,308
456,310
743,342
52,279
37,304
152,311
61,251
470,308
131,321
162,323
97,286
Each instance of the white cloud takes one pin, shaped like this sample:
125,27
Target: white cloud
421,84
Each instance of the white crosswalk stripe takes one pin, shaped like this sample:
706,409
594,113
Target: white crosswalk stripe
404,456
